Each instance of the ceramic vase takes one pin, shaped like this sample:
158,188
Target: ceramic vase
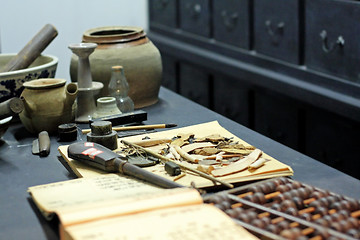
131,48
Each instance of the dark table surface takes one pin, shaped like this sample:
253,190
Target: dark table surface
19,169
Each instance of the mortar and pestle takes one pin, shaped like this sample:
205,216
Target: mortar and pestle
27,64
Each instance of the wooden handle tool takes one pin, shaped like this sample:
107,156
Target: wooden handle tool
32,49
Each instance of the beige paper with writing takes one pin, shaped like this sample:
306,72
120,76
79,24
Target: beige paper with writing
195,222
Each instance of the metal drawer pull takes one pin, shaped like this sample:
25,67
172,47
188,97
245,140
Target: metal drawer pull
329,48
195,9
276,32
229,20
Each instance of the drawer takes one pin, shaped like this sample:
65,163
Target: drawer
333,140
232,99
169,76
163,12
277,117
194,84
333,37
195,17
231,21
276,29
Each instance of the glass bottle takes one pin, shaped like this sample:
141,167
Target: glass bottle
119,88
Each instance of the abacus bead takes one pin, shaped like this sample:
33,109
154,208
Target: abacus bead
282,188
309,189
272,228
298,202
254,189
271,186
234,213
317,195
354,204
287,195
276,206
336,217
322,222
249,198
252,214
259,198
321,210
263,188
279,198
328,219
336,205
244,217
291,211
345,225
336,226
294,193
323,233
315,204
266,220
345,205
306,216
258,223
296,184
284,180
289,185
287,204
354,222
353,233
302,193
330,200
283,225
291,233
324,202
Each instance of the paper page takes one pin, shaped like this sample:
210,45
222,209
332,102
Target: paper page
197,222
81,192
86,199
272,168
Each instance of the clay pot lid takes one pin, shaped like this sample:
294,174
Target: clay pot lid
44,83
113,34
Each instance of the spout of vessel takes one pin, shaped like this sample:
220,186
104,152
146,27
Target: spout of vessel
71,93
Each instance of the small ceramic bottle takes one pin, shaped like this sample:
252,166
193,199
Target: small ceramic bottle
119,88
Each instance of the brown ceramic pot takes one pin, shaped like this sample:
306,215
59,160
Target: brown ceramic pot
129,47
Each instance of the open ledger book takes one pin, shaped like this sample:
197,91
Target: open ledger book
115,207
272,167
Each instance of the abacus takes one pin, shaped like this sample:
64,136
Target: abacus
282,208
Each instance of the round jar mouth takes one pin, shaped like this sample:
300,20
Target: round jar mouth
45,83
113,34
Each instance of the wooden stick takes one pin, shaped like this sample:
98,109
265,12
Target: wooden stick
139,127
32,49
204,175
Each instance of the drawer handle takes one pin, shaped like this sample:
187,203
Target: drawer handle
275,32
195,9
161,4
340,42
229,20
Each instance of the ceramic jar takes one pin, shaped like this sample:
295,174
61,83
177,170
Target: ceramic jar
129,47
47,104
106,106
